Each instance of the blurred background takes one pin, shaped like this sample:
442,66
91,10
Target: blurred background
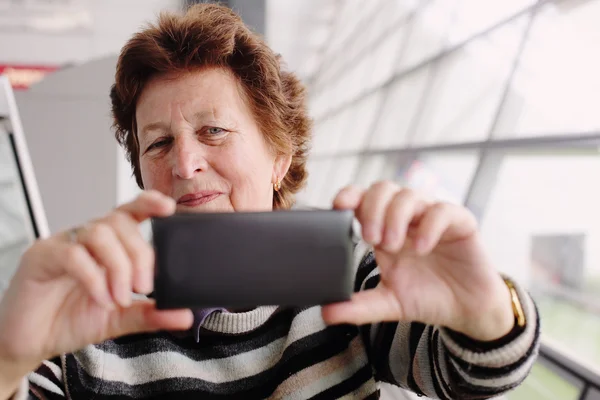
491,104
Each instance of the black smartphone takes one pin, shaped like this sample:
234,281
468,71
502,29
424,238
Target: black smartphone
248,259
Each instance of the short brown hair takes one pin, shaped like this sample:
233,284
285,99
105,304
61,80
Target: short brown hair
209,35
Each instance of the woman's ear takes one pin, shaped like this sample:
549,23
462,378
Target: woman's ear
281,167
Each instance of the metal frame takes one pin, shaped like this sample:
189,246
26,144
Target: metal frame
569,368
331,54
372,46
430,60
31,191
558,141
489,165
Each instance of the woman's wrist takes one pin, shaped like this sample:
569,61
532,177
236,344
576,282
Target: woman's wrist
496,322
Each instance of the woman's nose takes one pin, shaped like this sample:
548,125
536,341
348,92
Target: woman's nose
188,158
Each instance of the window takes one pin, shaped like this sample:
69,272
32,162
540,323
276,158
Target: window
384,57
327,178
474,16
427,33
484,103
400,107
445,177
546,383
466,88
542,226
378,167
362,118
556,89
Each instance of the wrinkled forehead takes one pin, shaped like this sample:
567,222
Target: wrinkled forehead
213,94
208,86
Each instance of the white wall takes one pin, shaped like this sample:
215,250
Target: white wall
66,119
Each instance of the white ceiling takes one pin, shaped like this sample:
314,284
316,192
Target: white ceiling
45,15
71,31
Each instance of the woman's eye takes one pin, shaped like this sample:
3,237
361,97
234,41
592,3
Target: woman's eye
158,144
215,131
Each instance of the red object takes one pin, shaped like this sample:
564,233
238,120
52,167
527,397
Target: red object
22,77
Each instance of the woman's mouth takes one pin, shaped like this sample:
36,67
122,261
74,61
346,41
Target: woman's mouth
197,198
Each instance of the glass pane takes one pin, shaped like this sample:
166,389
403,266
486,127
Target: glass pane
322,136
444,177
317,176
467,87
474,16
342,172
544,383
318,102
376,45
331,132
401,102
15,223
556,89
326,178
541,225
362,118
340,91
355,82
347,84
428,32
384,57
350,17
403,8
380,167
354,39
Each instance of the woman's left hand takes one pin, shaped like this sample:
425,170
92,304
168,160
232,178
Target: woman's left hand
432,264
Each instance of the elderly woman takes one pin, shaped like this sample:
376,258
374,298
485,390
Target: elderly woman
211,122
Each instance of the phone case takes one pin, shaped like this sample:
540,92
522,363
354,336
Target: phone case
239,260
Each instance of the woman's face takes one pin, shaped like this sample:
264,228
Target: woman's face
199,144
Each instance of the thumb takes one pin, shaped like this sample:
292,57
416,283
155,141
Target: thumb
142,316
369,306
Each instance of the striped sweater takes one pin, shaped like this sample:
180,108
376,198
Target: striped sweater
289,353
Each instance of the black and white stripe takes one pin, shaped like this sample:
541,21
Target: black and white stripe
292,354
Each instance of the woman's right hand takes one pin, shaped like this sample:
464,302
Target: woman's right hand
74,288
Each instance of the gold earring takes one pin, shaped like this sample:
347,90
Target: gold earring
277,186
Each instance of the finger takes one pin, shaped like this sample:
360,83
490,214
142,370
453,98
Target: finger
369,306
405,207
80,265
139,251
348,198
371,211
103,244
443,221
142,316
148,204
